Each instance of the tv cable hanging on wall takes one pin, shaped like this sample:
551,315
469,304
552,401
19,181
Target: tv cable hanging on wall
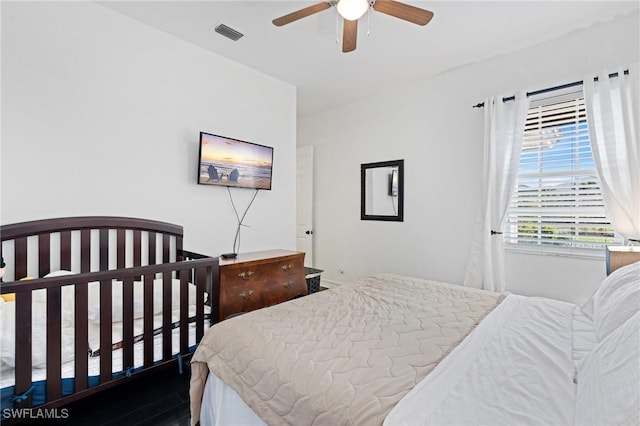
240,219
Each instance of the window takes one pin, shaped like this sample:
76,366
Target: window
557,202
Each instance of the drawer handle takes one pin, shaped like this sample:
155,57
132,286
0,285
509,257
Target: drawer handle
288,284
245,275
246,294
286,267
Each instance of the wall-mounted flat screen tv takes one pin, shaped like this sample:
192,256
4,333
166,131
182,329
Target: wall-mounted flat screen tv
232,162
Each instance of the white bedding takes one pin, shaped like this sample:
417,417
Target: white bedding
39,317
531,361
7,372
344,356
221,405
532,380
584,335
39,327
537,361
516,368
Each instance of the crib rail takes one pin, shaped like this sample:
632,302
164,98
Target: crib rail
204,272
99,249
101,237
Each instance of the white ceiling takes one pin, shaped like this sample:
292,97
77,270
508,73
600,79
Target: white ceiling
305,53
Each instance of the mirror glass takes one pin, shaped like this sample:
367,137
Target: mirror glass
382,190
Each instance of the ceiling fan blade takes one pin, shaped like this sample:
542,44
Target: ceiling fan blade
403,11
302,13
349,35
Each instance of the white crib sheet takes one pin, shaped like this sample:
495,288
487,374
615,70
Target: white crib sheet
68,369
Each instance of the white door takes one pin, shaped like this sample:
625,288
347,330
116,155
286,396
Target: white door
304,208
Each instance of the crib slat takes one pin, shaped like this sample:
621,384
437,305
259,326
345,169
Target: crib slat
44,254
148,320
104,249
81,336
213,288
85,250
65,250
54,343
184,311
166,241
152,248
137,248
106,303
127,323
120,248
200,277
23,347
179,257
166,316
20,259
106,331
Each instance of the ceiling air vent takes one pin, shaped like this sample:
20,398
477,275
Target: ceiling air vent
228,32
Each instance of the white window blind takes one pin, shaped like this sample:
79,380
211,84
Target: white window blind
557,200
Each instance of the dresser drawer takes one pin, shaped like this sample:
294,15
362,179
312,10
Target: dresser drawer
239,297
260,281
286,282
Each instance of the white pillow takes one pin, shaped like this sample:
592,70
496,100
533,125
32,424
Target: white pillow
608,378
38,330
138,299
68,298
39,316
67,290
615,301
60,273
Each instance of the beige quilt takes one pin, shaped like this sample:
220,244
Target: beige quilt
345,356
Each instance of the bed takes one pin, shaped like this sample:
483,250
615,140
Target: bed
394,350
89,302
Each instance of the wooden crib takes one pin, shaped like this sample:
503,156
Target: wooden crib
118,261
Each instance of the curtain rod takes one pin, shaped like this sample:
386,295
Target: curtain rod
551,89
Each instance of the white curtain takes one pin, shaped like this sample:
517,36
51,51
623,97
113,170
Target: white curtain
503,134
613,115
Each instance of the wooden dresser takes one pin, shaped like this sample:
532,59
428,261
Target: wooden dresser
259,279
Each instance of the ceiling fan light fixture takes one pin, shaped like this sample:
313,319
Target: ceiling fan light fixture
352,10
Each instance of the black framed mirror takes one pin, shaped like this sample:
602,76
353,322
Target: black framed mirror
382,191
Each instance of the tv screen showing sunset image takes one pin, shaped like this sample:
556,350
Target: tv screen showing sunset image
232,162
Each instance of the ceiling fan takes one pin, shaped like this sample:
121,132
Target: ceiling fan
352,10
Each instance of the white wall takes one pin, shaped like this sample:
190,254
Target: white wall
432,125
101,116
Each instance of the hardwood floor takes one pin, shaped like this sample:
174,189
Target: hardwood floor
161,399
